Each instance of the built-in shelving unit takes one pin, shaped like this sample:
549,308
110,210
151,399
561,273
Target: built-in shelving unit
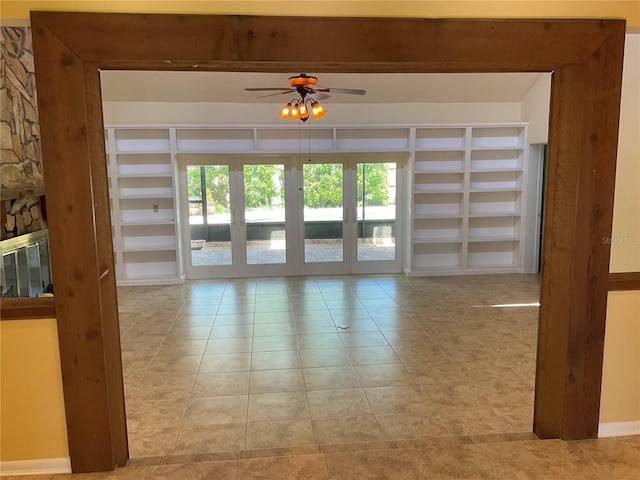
143,204
466,195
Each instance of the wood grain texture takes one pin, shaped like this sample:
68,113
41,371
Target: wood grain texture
27,308
79,299
585,56
585,102
348,44
624,281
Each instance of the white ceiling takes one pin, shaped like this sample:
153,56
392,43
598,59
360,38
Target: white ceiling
141,86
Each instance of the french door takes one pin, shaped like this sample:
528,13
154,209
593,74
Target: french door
278,215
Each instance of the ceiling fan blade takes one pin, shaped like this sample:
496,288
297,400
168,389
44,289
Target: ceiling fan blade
261,89
319,95
350,91
274,94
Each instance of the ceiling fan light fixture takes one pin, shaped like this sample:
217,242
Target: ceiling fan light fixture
284,113
317,110
295,111
304,113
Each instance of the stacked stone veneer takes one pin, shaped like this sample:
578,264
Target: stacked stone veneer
21,158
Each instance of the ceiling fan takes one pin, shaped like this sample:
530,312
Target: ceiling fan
309,91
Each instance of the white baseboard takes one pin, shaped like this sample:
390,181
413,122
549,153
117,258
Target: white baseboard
35,467
618,429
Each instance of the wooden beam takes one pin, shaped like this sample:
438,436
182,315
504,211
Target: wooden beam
585,103
347,44
84,307
624,281
27,308
586,57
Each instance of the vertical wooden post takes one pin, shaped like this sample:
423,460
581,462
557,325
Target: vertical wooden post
85,298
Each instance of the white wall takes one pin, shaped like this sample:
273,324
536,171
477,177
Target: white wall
535,110
344,114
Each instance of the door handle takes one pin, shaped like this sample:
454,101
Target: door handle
242,219
355,214
233,218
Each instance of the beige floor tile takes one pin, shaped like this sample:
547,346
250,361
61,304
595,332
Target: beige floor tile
179,332
396,399
225,362
549,458
373,465
274,343
473,367
278,406
383,375
272,381
180,346
462,461
232,331
617,457
215,384
273,317
199,471
328,378
320,326
363,339
210,438
151,442
274,329
363,428
134,473
216,410
275,360
222,319
176,365
372,355
319,341
403,426
324,357
146,413
338,403
195,320
228,345
153,386
280,433
307,467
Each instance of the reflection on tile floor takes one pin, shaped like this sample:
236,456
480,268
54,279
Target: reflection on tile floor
219,366
432,379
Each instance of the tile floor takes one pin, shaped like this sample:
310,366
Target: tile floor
433,379
219,366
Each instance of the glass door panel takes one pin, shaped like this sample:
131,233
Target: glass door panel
376,210
264,214
208,189
323,212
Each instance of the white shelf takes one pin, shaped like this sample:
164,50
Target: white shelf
468,186
440,139
466,193
214,140
371,140
144,141
142,190
439,161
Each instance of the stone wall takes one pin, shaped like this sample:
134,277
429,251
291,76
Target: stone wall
20,154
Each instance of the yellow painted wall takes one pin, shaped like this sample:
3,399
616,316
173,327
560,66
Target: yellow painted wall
33,422
629,9
620,400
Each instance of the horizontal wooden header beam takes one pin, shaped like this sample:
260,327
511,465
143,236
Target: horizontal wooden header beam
286,43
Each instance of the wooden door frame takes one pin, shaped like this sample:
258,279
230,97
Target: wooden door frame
585,57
